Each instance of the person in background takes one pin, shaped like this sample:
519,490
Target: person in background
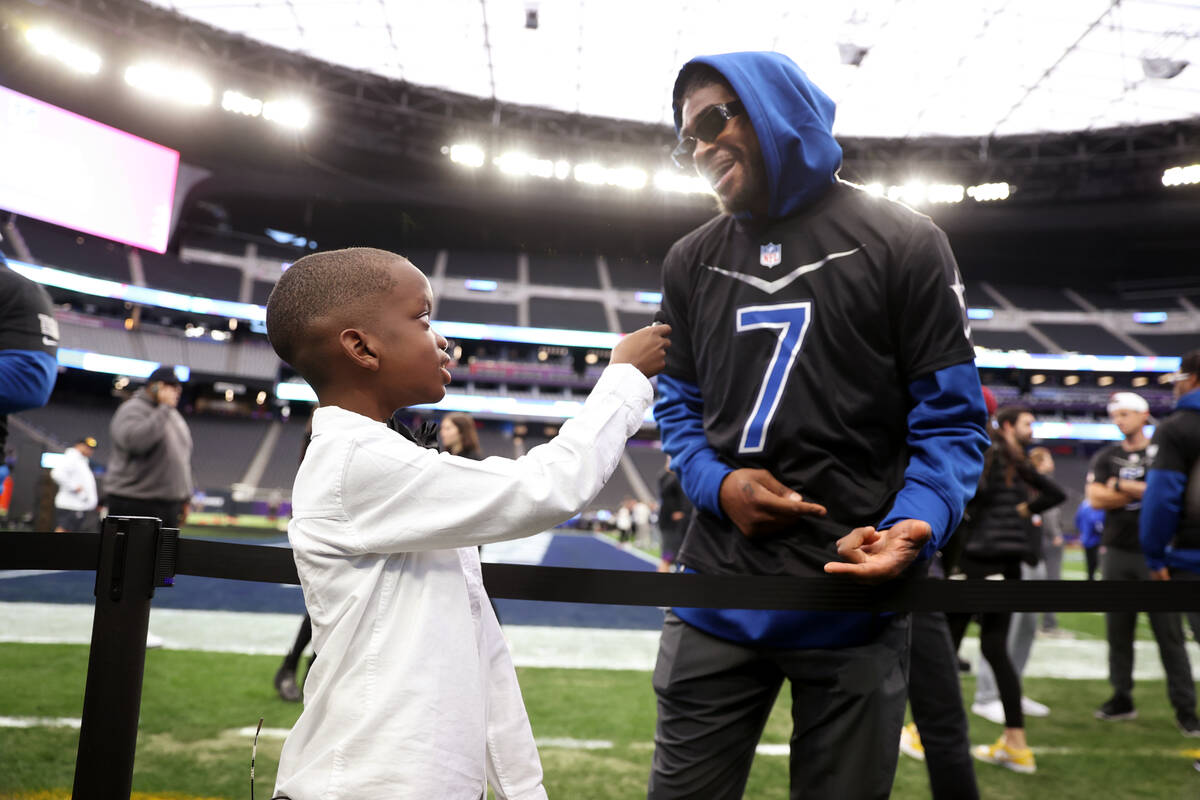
624,520
1024,626
1089,522
460,437
1053,540
150,472
28,349
77,494
641,514
1000,540
1169,527
1116,484
674,509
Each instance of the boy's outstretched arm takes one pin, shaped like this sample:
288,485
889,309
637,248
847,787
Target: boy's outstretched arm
399,498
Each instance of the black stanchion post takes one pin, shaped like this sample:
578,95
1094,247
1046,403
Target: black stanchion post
125,579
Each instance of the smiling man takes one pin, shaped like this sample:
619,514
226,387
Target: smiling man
823,411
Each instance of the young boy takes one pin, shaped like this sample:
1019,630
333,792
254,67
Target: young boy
415,694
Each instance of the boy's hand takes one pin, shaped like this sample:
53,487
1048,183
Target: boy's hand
646,349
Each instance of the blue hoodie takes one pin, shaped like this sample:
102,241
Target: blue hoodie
792,118
793,121
1162,506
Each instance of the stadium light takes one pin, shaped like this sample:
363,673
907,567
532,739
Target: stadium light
987,192
70,53
876,189
288,113
177,85
625,177
466,154
238,103
517,163
667,180
1181,176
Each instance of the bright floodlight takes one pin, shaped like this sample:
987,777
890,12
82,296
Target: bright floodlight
72,54
1181,176
515,163
986,192
876,189
239,103
667,180
166,82
945,193
288,113
625,177
466,154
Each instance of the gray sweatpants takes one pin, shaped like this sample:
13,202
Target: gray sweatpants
1120,565
714,698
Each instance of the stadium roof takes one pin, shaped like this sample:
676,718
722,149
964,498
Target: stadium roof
897,68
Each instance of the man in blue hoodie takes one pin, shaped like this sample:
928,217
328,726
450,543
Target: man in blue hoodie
824,414
1169,527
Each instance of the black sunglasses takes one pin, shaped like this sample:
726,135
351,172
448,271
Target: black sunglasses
707,128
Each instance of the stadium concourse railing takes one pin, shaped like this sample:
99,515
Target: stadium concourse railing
134,556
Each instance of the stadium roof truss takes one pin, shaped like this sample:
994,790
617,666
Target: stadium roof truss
897,68
995,88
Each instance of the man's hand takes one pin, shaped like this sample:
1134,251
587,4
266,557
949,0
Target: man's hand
1162,574
758,503
876,556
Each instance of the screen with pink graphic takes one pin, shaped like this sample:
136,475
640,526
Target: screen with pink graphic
72,171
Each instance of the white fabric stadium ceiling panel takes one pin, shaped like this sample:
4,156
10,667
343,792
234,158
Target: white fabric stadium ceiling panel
932,67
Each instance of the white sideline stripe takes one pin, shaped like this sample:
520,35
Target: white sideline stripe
26,573
567,743
632,550
40,722
532,646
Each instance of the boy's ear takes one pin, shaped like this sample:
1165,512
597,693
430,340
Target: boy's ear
359,348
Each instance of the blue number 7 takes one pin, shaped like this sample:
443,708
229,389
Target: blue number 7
790,321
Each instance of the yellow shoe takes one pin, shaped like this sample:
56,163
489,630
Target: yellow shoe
1000,754
910,742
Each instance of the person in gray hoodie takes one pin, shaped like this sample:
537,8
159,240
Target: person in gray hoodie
150,471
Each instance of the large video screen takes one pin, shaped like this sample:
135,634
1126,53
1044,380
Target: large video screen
72,171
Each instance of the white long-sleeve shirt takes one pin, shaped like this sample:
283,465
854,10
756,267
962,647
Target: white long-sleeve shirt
76,482
414,694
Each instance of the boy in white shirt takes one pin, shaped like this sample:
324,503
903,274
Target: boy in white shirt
415,695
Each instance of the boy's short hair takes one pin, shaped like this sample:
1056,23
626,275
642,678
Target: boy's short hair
318,286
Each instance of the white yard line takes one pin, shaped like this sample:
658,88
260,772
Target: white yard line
532,646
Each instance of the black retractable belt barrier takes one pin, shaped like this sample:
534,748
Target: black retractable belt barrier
133,555
125,581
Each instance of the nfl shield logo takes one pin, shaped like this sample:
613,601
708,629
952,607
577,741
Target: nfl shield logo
769,255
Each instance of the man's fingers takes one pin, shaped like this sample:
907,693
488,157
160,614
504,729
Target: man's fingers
783,508
776,489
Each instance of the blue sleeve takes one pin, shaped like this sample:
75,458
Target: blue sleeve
26,379
1158,521
679,413
946,443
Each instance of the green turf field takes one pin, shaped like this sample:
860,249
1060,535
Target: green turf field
195,703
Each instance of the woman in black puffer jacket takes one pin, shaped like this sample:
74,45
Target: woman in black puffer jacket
999,536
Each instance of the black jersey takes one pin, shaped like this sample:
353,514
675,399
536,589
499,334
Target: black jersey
1120,524
802,338
26,315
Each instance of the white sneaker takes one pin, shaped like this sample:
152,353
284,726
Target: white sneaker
992,711
153,641
1032,708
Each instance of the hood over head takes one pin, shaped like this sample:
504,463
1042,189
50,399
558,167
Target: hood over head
792,118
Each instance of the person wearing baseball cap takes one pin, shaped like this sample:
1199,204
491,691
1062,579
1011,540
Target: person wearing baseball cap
150,472
1116,484
77,495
